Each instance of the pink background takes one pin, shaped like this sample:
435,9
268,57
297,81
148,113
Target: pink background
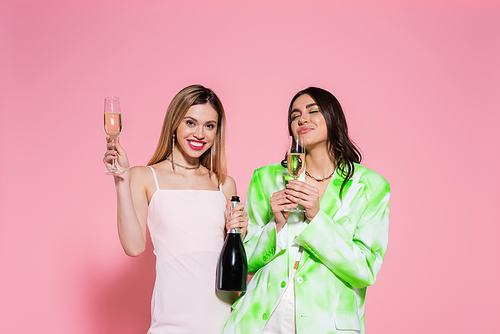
418,80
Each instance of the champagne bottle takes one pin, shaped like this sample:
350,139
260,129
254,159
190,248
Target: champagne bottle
232,268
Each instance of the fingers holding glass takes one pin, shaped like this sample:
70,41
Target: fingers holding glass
305,195
113,128
280,206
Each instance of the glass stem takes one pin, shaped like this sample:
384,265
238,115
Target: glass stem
114,168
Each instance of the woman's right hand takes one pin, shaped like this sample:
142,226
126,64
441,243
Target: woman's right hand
114,151
279,203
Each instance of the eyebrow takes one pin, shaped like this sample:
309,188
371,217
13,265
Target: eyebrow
310,105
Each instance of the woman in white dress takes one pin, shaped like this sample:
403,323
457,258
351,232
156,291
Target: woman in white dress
182,197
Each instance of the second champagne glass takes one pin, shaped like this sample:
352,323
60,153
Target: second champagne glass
113,126
296,162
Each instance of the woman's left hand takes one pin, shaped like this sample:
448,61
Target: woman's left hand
236,217
304,194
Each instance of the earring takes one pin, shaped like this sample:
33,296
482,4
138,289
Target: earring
211,160
173,145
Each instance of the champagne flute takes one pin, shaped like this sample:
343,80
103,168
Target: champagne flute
296,162
113,126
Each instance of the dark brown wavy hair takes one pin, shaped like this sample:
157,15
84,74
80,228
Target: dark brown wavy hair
342,149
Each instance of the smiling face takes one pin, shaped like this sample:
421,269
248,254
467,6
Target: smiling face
308,122
196,132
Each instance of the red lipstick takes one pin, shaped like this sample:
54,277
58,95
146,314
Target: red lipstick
196,144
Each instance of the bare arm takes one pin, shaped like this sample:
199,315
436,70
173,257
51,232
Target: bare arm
132,201
132,211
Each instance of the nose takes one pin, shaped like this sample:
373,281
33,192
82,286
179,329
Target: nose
303,119
198,133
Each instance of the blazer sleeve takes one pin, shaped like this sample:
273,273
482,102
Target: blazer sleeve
260,242
353,255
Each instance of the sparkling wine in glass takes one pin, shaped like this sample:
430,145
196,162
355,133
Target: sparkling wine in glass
113,126
296,162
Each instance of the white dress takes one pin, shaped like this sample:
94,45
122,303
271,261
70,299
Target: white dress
187,231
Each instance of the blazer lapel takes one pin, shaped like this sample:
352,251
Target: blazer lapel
330,202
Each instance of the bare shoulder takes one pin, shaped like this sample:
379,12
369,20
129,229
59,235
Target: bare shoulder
142,176
141,172
142,181
229,187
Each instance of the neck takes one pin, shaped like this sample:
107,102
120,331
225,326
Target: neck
185,160
319,162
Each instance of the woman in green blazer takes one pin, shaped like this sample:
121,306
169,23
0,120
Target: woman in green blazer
311,269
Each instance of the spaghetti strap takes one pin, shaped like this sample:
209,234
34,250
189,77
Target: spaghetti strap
156,180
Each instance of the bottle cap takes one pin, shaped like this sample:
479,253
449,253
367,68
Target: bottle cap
235,199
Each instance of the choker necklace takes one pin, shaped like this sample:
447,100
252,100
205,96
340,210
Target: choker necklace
185,167
320,180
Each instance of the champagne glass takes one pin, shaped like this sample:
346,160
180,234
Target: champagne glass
296,162
113,126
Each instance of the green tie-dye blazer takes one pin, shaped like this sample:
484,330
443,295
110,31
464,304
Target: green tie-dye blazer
344,246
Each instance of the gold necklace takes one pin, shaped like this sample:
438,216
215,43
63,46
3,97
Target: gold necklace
320,180
185,167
